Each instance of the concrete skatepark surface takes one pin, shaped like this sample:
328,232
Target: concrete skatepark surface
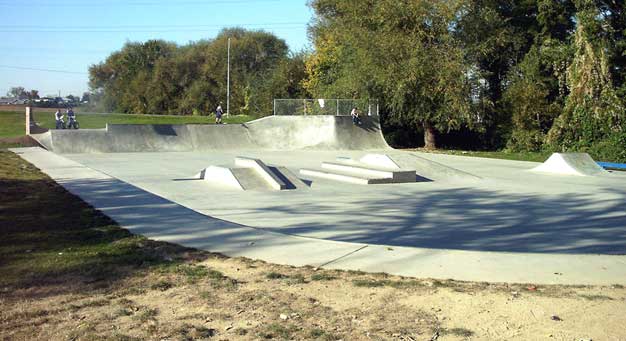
478,219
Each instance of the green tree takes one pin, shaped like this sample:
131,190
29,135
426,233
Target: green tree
33,94
528,99
536,87
17,92
162,78
593,112
404,52
116,77
495,37
613,15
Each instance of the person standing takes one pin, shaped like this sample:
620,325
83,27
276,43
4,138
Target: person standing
218,114
58,117
71,119
355,116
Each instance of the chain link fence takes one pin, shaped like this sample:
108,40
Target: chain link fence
324,106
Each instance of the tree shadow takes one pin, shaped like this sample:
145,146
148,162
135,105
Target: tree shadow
469,219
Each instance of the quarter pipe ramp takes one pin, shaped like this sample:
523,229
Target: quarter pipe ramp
269,133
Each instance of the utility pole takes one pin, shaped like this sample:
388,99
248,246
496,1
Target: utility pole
228,82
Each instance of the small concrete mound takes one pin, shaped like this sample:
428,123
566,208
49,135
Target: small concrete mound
579,164
251,174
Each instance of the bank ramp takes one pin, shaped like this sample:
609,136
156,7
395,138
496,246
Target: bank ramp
580,164
269,133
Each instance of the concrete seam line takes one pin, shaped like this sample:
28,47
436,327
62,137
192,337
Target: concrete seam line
344,256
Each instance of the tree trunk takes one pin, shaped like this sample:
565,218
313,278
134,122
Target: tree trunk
430,136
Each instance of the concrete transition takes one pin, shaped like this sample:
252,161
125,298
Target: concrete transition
580,164
269,133
251,174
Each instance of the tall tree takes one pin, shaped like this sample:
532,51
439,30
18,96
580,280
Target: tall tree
593,111
159,77
613,15
402,51
117,76
17,92
496,34
536,87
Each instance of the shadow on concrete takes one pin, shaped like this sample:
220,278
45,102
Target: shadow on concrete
144,213
368,125
461,218
164,129
473,219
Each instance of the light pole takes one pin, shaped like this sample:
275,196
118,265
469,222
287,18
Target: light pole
228,82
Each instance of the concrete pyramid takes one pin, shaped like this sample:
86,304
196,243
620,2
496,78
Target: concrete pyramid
580,164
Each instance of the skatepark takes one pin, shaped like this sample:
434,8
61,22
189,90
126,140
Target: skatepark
320,191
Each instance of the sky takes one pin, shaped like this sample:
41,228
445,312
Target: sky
49,45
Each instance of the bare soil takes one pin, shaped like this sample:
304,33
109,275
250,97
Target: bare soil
240,299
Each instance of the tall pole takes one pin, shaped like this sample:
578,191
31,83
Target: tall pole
228,82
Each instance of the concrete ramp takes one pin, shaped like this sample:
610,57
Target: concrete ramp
580,164
269,133
251,174
425,168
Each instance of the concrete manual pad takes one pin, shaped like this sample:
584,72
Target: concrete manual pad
510,226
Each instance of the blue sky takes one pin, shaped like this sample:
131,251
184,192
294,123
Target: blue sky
71,35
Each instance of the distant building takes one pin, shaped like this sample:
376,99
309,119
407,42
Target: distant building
12,101
6,100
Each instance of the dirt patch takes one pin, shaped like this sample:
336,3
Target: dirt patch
20,141
241,299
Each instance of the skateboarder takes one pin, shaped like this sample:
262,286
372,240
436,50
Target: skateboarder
355,116
218,114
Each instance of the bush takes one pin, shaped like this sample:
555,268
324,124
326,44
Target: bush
524,140
612,149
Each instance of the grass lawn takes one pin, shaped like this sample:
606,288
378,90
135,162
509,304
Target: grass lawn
518,156
67,272
12,122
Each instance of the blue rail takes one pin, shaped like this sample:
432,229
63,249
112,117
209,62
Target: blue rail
612,165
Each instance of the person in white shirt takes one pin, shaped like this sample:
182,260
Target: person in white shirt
218,114
58,116
355,116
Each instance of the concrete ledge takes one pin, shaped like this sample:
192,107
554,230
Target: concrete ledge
349,178
262,170
395,176
357,169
